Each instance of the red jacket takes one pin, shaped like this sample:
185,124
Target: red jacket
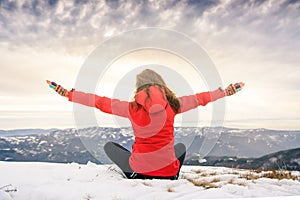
152,120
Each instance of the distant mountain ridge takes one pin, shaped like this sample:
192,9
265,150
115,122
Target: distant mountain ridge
282,160
219,146
20,132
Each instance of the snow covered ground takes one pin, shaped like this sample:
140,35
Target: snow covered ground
52,181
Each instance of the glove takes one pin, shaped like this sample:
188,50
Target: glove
59,89
233,88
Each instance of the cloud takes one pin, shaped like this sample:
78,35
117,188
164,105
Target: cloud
74,25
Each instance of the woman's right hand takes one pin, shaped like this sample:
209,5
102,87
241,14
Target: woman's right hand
58,88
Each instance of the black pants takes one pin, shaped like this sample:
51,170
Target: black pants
120,156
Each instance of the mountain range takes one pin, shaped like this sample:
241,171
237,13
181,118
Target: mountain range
216,146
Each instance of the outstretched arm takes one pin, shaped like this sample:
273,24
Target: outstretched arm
105,104
201,99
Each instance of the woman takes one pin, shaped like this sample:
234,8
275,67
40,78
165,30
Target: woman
151,114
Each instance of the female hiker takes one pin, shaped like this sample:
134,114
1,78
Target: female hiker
151,114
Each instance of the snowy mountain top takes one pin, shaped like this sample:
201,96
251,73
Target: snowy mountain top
35,181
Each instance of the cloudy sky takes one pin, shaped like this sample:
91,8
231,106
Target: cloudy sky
255,41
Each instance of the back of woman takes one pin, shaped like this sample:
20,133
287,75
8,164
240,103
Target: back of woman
151,114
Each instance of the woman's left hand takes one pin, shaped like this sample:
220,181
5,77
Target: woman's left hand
233,88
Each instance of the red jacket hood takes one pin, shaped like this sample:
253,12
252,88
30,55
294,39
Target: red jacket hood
156,102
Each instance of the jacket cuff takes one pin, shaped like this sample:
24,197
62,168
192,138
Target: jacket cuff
70,96
217,94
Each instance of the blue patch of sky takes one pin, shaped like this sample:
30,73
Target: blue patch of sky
32,8
52,3
146,14
290,3
37,8
200,7
257,2
4,24
203,4
8,5
75,12
78,2
113,4
3,21
242,4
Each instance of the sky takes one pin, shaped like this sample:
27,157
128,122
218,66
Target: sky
254,41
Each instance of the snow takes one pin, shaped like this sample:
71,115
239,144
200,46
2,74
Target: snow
53,181
43,142
202,160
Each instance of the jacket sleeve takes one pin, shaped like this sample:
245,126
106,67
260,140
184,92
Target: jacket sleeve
105,104
200,99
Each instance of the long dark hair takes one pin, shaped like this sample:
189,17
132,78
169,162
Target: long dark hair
148,78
